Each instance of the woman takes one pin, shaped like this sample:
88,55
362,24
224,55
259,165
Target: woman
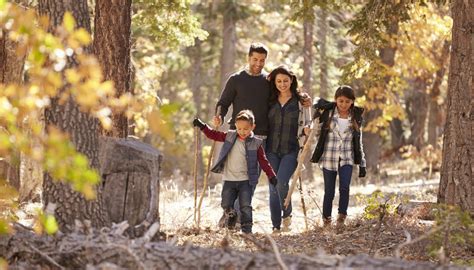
288,122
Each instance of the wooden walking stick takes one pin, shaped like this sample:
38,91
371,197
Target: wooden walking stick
303,204
195,169
206,177
297,172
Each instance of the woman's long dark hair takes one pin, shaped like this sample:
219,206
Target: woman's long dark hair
273,89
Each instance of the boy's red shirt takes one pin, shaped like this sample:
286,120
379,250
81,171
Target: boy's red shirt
262,158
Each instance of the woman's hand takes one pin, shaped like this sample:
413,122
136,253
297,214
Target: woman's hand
307,130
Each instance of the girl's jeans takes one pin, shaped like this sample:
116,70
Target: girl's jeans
284,167
242,190
345,174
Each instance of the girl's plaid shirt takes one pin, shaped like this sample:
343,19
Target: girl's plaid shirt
338,148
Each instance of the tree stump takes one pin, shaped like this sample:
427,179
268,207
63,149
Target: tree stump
130,172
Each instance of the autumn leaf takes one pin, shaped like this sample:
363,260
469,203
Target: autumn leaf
68,22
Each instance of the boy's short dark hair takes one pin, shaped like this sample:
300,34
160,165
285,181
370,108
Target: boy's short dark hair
245,115
258,48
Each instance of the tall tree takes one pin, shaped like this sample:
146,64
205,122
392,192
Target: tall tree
11,72
112,47
82,128
308,31
457,179
434,119
373,141
323,54
229,40
417,108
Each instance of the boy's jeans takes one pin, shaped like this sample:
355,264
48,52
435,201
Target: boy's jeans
345,174
236,204
284,167
242,190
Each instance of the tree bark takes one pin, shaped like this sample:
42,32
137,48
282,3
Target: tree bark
81,127
323,63
457,180
308,26
229,40
112,47
435,122
11,72
417,107
195,83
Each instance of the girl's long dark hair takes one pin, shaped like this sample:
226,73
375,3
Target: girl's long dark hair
273,89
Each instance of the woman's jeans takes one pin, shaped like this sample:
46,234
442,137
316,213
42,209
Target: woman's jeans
345,174
284,167
243,191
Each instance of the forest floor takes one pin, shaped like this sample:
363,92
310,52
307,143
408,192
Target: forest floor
407,237
376,237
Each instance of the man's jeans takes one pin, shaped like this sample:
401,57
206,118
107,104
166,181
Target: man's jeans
284,167
345,174
242,190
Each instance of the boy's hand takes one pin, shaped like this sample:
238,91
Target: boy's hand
273,180
362,172
198,123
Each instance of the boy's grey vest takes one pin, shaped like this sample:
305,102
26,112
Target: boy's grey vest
252,144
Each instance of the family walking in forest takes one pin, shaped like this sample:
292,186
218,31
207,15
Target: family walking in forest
270,123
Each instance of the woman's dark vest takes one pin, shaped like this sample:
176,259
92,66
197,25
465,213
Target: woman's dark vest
252,144
323,111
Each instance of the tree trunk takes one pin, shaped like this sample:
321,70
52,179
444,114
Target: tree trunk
417,105
227,62
112,48
229,40
396,132
435,110
81,127
308,26
323,63
372,141
195,84
457,180
11,72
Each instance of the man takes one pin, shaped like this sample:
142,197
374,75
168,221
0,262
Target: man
248,89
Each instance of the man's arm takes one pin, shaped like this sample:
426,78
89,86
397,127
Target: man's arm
226,99
305,99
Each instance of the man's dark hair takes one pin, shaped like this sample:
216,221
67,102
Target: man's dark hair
245,115
258,48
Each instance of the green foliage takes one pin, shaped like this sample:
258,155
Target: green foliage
45,223
380,205
8,205
413,30
456,231
49,77
167,22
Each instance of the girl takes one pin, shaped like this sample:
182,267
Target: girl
287,119
338,149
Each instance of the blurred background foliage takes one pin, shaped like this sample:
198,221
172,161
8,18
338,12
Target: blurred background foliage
178,56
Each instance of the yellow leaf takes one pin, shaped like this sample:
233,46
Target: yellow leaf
50,225
82,36
68,22
72,76
3,264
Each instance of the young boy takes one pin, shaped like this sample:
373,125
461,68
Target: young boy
237,162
